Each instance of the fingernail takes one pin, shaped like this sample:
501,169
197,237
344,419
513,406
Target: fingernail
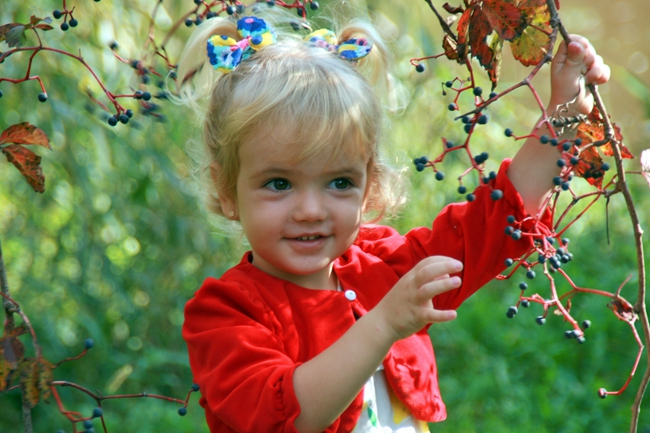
458,265
455,281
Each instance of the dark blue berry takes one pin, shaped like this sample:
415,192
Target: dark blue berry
124,118
508,262
553,141
578,141
586,324
89,343
540,320
581,340
419,67
189,22
88,424
462,189
129,113
146,96
523,286
271,2
566,146
1,94
468,128
492,175
42,97
449,83
516,235
313,5
74,22
544,139
496,194
195,387
508,132
464,119
112,120
138,94
511,219
565,186
65,27
450,145
525,303
530,274
565,241
182,411
477,91
440,175
512,312
57,14
541,258
300,12
482,120
198,22
493,95
557,180
605,166
210,15
97,412
486,180
508,230
419,167
561,163
471,197
570,334
574,160
452,107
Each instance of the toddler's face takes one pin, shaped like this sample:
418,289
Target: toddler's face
298,216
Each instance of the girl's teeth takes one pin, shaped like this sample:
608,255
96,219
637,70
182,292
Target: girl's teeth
307,238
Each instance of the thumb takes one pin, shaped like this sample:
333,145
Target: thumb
575,55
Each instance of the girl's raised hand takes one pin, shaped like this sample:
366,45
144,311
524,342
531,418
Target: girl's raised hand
570,64
408,307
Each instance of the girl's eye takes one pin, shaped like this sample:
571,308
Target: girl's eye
341,184
278,184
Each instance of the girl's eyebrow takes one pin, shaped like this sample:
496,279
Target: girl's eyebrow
281,171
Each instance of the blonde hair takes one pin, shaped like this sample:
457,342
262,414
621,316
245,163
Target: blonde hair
321,102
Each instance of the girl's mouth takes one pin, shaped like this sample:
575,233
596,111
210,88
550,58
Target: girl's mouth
308,238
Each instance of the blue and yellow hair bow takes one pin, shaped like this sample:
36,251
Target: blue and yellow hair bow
352,49
225,53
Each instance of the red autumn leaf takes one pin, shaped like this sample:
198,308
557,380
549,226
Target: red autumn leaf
594,130
452,9
451,48
590,167
463,30
625,152
533,44
28,163
504,17
24,133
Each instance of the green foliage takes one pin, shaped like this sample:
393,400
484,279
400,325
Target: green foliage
119,241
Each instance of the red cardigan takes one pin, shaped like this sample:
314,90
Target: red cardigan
248,331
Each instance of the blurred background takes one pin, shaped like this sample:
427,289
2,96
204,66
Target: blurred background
120,241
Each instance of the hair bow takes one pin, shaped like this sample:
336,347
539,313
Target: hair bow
225,53
352,49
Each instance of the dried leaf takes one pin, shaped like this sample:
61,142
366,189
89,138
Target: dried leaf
45,379
5,370
645,164
13,350
44,27
29,379
452,9
4,29
24,133
450,47
28,163
533,44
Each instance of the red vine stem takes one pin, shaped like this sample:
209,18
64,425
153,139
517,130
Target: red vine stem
639,307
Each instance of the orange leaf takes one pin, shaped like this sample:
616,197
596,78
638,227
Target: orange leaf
24,133
625,152
533,44
590,167
28,163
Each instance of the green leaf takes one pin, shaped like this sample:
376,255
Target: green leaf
16,36
4,29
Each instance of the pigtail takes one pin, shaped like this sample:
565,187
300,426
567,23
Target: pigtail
196,76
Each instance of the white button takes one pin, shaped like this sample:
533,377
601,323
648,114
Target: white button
350,295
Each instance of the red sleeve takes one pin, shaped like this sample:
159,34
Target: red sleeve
472,232
235,354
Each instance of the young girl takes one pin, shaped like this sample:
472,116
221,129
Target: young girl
322,326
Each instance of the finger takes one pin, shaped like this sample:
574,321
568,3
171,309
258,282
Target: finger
434,270
434,288
438,316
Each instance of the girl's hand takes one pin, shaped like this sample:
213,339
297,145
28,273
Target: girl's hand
408,307
570,64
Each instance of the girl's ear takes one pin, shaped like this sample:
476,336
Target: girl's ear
228,203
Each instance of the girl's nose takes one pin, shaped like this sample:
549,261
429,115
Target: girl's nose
310,206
